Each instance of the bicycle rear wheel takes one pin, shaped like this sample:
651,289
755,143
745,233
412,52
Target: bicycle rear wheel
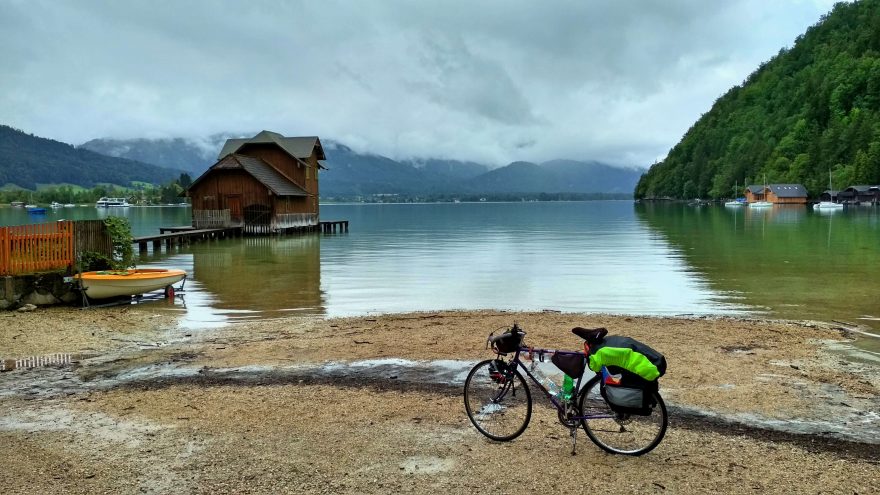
498,402
617,433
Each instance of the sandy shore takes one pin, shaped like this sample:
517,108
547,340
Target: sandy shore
359,405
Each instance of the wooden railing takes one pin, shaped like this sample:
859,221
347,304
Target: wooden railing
37,247
211,219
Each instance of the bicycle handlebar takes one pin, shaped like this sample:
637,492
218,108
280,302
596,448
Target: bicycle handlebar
515,329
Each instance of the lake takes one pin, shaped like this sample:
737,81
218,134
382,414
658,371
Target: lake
595,256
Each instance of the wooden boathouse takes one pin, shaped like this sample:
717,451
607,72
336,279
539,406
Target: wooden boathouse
265,184
777,194
860,195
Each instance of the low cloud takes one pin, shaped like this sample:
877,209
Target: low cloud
493,81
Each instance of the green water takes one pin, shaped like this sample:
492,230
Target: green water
144,220
785,261
599,256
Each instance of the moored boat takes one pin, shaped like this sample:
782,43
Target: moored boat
115,283
827,205
112,202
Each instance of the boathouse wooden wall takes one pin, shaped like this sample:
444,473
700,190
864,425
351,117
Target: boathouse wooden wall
769,195
773,198
232,190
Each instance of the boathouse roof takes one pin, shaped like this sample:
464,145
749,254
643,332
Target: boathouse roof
297,147
788,190
260,170
862,189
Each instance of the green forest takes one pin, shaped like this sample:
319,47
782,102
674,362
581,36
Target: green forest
812,109
27,161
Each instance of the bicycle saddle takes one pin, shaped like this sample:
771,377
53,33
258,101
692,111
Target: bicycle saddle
591,335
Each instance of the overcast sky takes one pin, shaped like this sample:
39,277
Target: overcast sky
491,81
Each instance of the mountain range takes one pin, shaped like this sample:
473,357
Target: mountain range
27,160
350,173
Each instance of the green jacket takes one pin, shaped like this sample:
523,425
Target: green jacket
629,354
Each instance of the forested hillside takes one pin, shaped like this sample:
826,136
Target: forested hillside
811,109
27,160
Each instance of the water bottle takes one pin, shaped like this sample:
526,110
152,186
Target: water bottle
567,388
544,380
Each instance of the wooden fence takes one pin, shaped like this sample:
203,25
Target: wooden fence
37,247
91,235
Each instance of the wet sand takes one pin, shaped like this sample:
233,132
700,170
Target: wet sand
274,407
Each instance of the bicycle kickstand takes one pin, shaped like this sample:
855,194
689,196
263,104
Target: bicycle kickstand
574,431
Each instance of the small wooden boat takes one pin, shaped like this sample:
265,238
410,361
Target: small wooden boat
115,283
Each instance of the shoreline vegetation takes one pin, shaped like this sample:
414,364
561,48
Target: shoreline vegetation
372,404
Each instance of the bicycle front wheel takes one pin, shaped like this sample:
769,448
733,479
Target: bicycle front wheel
498,402
617,433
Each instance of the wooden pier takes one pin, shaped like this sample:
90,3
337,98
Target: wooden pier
177,236
330,227
185,234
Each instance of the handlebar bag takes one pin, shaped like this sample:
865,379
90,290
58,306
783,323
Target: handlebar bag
509,342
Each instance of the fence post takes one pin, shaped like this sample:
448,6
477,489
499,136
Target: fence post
4,262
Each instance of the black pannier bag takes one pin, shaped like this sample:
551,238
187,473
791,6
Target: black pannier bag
572,365
628,393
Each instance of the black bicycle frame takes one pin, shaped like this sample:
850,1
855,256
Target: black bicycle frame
556,403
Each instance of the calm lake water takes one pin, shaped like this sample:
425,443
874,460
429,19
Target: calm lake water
598,256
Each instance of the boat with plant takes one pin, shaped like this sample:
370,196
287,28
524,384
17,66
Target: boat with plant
115,283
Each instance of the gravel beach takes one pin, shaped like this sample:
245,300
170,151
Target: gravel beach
373,405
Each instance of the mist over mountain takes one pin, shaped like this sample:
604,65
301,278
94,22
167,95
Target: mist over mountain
191,155
352,173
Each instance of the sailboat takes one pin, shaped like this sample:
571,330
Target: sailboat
764,203
735,201
828,205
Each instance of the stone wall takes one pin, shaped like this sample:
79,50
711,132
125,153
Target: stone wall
43,289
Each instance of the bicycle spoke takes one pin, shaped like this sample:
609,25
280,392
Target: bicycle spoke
499,406
620,433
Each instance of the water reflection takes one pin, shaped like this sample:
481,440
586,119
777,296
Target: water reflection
791,260
241,279
591,256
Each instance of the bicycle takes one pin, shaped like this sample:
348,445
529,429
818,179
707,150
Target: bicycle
499,403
